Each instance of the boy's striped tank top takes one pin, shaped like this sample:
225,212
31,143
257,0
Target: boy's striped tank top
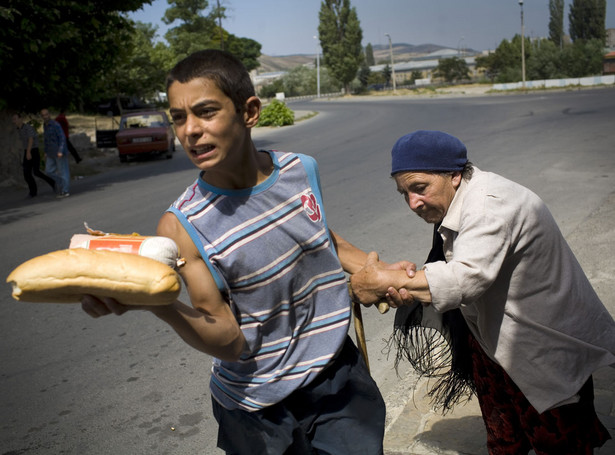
271,255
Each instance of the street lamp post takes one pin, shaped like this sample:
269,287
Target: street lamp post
392,62
317,67
522,46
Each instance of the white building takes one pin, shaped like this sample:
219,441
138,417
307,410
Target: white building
426,64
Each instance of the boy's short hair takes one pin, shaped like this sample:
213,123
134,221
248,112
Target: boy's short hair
221,67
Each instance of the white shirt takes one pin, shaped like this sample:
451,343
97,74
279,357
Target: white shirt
521,290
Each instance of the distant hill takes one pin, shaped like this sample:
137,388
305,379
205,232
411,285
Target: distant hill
271,64
401,52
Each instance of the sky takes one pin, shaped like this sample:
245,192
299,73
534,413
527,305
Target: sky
286,27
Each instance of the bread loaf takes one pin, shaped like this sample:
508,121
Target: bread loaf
64,276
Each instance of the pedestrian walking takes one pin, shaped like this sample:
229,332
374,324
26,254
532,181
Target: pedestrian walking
31,161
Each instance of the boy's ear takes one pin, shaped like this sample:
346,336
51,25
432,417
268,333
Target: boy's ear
252,111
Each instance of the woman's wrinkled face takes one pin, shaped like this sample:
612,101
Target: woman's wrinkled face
428,194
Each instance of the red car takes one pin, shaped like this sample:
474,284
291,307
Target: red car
148,132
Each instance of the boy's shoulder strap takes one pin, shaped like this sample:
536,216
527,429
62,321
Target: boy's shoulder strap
311,167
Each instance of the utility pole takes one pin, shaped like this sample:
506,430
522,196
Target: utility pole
522,46
392,62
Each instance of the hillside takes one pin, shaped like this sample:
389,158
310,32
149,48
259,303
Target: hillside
283,63
401,52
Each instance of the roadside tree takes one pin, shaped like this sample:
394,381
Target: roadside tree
545,61
363,76
556,22
142,67
195,31
369,55
504,64
386,74
340,36
587,20
583,58
453,69
301,81
55,52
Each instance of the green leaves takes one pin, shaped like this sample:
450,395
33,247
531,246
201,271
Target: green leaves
587,20
276,113
544,60
452,69
54,51
340,37
196,30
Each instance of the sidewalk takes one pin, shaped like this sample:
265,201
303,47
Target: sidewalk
417,430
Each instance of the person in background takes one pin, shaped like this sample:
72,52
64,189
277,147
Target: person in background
56,154
31,161
537,329
63,121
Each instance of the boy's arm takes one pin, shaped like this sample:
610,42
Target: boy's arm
351,257
209,324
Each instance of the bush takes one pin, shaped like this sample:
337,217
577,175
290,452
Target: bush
276,114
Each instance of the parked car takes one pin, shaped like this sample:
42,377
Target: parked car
147,132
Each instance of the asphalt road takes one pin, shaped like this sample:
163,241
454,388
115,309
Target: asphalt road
74,385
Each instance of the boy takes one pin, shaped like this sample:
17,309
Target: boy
268,292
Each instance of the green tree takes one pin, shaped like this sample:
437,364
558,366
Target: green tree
386,74
301,81
219,13
56,52
556,22
369,55
194,30
269,90
364,74
545,61
416,74
504,64
143,66
340,37
587,20
376,78
583,58
452,69
245,49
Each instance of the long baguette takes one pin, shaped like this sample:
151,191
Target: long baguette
64,276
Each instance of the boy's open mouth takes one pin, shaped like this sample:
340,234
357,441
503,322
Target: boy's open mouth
202,150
